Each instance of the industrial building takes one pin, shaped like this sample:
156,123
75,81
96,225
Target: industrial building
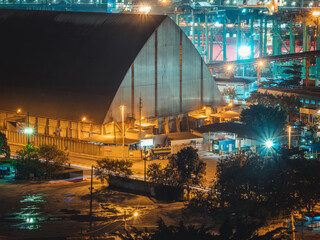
71,72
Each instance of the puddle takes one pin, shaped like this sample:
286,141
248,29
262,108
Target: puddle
29,216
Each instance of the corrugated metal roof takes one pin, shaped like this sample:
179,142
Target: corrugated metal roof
67,64
241,130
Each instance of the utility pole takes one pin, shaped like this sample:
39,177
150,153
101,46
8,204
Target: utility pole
140,137
91,188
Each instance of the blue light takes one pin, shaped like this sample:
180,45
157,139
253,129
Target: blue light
269,144
244,10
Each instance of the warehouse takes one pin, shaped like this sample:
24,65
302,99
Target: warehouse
72,71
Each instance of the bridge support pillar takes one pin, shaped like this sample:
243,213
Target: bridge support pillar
261,38
251,38
193,30
224,44
199,35
275,45
238,37
305,46
265,52
207,38
292,39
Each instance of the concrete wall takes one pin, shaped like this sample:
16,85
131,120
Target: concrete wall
48,126
167,61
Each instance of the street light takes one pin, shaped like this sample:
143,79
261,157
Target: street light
229,68
316,13
145,9
28,130
122,117
269,143
244,51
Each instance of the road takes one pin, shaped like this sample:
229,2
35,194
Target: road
85,162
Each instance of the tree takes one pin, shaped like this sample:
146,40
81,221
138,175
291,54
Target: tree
44,162
185,169
251,191
289,104
54,158
4,148
295,76
266,121
230,93
108,167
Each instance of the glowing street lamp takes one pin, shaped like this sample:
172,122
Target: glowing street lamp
19,110
229,68
269,143
28,130
316,13
145,9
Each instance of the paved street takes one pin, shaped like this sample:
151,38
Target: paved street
81,161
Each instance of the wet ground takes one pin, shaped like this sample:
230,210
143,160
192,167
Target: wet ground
34,210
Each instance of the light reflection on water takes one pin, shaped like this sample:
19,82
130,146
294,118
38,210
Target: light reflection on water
29,217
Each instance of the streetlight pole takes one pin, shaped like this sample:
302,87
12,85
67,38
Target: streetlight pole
28,128
122,116
289,137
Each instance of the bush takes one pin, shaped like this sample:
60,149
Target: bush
42,163
115,167
4,148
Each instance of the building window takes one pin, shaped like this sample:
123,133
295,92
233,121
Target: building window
313,102
306,101
301,100
318,102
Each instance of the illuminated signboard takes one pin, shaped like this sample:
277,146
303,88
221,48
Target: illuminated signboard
146,142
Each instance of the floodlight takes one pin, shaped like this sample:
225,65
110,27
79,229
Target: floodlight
269,144
244,51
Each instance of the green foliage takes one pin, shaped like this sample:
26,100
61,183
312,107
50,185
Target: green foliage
250,191
187,167
266,121
44,162
289,104
158,175
106,167
230,92
52,153
4,148
295,76
184,169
